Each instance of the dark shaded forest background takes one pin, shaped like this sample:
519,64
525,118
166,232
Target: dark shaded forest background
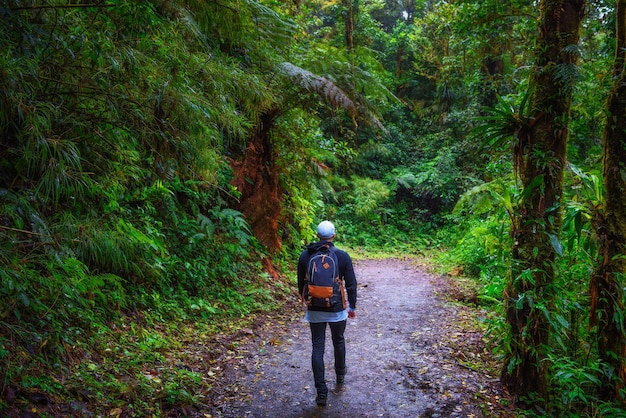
163,163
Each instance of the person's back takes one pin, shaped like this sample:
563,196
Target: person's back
332,312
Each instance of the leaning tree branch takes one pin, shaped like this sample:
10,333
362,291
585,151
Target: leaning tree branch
61,6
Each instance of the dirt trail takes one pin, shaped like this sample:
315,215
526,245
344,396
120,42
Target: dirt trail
407,356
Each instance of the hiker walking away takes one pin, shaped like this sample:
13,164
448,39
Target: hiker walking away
325,275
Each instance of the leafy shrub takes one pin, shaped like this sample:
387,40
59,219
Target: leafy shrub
366,199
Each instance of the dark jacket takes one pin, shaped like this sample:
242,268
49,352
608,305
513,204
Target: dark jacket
346,271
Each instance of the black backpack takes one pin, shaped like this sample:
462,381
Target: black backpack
323,287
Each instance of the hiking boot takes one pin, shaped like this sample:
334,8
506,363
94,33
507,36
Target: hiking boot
341,378
321,399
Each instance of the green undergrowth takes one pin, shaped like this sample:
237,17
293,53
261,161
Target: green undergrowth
476,256
141,363
111,315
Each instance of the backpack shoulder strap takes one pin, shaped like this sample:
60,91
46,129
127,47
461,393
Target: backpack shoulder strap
332,251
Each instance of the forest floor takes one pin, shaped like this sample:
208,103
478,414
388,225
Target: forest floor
412,351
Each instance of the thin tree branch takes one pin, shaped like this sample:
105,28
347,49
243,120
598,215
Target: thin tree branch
61,6
24,231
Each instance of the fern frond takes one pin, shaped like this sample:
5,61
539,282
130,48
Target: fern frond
567,74
485,197
322,86
356,79
407,180
319,168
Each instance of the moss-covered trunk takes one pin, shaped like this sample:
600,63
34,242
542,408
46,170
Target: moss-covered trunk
541,153
257,178
607,284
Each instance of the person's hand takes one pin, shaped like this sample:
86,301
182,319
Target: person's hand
351,314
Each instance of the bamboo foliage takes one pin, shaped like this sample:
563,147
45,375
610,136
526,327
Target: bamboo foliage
104,111
246,25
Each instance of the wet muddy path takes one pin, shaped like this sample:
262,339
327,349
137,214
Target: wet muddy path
409,354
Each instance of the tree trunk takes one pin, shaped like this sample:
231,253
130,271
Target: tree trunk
257,179
606,287
492,69
349,14
541,155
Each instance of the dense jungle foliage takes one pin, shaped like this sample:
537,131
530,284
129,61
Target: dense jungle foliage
162,163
